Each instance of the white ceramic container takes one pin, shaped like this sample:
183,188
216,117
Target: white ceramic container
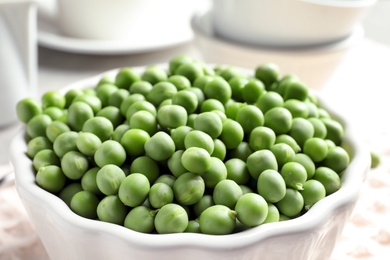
66,235
286,22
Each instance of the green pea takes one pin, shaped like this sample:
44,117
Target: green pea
296,90
232,133
74,164
160,194
54,113
215,173
53,99
291,204
313,191
273,214
199,96
78,113
45,157
334,130
297,108
27,108
337,159
196,160
178,60
287,139
125,77
37,125
111,209
144,120
119,131
197,138
55,129
320,130
140,219
193,227
190,70
242,151
252,209
271,186
171,218
175,165
104,91
50,178
301,130
88,181
140,87
306,162
237,85
217,220
188,188
294,174
209,123
249,117
134,189
269,100
113,114
218,89
211,104
260,161
245,189
160,146
186,99
278,119
70,95
219,149
168,179
329,178
133,141
230,72
110,152
140,105
283,153
375,159
65,142
178,136
172,116
84,203
146,166
227,192
232,109
261,137
237,171
316,148
252,91
180,82
93,101
205,202
268,73
129,101
37,144
160,92
67,193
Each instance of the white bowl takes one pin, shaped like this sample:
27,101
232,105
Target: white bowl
314,65
288,23
66,235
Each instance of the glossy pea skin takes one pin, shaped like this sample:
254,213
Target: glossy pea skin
140,105
205,202
294,174
172,116
283,153
237,171
113,114
193,227
251,209
104,91
296,90
279,119
65,142
50,178
70,95
111,209
178,136
188,188
37,125
134,189
92,100
55,129
273,214
141,219
129,101
320,130
167,179
268,73
109,179
269,100
316,148
85,203
237,85
147,166
252,91
160,194
219,150
27,108
227,193
53,99
211,104
125,77
242,151
210,123
133,141
78,113
160,146
119,131
313,191
261,137
88,181
334,130
140,87
180,82
45,157
216,173
186,99
249,117
37,144
197,138
218,89
171,218
337,159
67,193
144,120
291,204
301,130
306,162
287,139
87,143
232,133
110,152
55,113
260,161
329,178
160,92
217,220
297,108
190,70
74,164
174,164
196,160
271,186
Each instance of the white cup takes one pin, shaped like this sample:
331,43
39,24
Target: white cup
96,19
18,55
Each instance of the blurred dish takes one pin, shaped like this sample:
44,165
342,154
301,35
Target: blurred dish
314,64
172,33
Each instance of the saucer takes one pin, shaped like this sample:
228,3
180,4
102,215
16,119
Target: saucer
177,33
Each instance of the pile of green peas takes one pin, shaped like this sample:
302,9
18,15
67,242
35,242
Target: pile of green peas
187,148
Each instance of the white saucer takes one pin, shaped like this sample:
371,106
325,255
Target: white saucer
179,33
202,24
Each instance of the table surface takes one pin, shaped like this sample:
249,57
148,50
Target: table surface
359,88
